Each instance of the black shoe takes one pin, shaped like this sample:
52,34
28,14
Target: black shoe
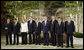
30,43
61,46
25,44
54,45
36,43
13,43
33,42
39,44
58,46
6,44
17,44
47,44
72,47
67,46
44,44
22,44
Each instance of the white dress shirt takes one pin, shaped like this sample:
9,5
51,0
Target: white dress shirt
45,23
30,21
69,22
53,21
15,24
24,27
59,23
37,24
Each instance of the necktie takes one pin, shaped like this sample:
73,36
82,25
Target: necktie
37,24
59,23
45,23
52,22
30,21
68,22
7,23
15,24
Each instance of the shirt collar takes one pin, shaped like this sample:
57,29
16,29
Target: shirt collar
53,19
8,22
15,22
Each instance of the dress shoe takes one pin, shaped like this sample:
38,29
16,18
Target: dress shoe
6,44
61,46
67,46
58,46
17,44
72,47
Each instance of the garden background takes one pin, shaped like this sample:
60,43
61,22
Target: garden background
25,9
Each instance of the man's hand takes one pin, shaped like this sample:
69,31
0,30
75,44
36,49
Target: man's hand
41,31
73,32
33,32
48,31
6,28
41,34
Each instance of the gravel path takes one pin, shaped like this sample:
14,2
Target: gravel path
78,40
78,44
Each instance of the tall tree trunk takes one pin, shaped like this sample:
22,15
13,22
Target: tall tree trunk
76,24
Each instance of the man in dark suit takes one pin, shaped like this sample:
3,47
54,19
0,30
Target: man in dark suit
59,31
8,29
31,29
37,31
46,30
69,29
52,29
16,30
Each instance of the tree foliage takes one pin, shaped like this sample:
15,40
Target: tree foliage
50,7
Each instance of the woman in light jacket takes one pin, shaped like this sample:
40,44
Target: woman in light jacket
24,30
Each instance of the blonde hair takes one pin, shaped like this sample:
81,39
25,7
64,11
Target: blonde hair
23,20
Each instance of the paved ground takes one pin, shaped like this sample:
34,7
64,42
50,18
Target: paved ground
37,47
78,44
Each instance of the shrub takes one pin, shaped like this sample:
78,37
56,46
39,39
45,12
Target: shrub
78,35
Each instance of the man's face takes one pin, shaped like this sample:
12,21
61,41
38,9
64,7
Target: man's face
8,20
30,18
45,18
53,17
69,18
15,21
23,21
59,20
37,20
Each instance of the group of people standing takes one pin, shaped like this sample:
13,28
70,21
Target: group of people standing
35,28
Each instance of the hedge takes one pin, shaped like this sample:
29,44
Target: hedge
78,35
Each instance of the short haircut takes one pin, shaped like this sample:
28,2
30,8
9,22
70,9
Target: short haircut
31,16
8,18
59,17
45,16
15,19
68,16
53,15
37,18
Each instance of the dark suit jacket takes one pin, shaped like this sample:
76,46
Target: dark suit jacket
52,26
38,28
16,28
69,29
59,28
31,27
9,26
46,28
